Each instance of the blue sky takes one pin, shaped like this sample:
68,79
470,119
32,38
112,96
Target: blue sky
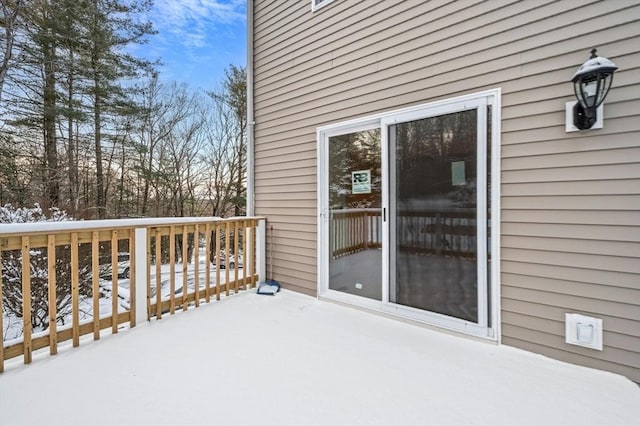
197,39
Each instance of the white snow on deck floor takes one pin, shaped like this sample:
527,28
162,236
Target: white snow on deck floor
293,360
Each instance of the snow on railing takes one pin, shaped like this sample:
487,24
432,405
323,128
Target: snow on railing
88,276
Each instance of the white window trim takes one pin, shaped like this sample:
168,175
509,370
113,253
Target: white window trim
315,6
493,98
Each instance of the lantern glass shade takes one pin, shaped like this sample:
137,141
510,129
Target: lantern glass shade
591,83
592,89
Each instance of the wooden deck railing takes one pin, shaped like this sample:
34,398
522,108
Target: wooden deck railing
56,277
451,233
354,230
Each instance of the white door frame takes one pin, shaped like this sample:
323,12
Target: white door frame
488,325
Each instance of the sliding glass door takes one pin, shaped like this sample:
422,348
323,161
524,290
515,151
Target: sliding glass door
437,214
354,212
404,213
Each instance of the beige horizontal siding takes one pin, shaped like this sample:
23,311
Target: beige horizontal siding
607,279
596,247
571,201
609,187
594,157
616,324
583,217
574,202
621,295
398,65
600,232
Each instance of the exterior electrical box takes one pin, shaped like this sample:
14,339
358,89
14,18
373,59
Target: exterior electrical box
584,331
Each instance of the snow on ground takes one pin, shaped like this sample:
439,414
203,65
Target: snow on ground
290,359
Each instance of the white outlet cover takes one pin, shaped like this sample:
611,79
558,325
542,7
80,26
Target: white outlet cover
582,330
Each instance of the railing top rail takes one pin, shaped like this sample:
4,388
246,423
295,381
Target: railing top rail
86,225
356,210
455,211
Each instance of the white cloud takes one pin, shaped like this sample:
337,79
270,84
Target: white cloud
191,20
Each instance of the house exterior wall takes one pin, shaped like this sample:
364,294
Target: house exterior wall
570,237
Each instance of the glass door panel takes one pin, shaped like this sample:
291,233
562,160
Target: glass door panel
434,211
355,221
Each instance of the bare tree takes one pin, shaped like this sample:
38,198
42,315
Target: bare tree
10,12
228,143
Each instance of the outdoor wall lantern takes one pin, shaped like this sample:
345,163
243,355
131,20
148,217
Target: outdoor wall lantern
591,83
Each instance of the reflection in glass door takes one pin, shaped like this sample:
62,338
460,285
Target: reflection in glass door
434,214
355,222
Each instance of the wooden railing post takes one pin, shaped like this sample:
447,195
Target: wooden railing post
261,250
140,258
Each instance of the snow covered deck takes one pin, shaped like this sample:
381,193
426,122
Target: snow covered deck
294,360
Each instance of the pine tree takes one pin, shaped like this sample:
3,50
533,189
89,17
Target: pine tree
111,27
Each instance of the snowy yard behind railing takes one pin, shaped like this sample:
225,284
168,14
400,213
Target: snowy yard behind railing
88,276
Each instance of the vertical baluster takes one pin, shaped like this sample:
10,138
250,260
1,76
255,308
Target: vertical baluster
51,278
355,225
235,255
75,290
196,263
207,263
249,259
218,248
185,287
95,282
352,228
114,281
158,273
26,299
132,278
244,254
338,231
150,233
227,248
347,231
336,241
